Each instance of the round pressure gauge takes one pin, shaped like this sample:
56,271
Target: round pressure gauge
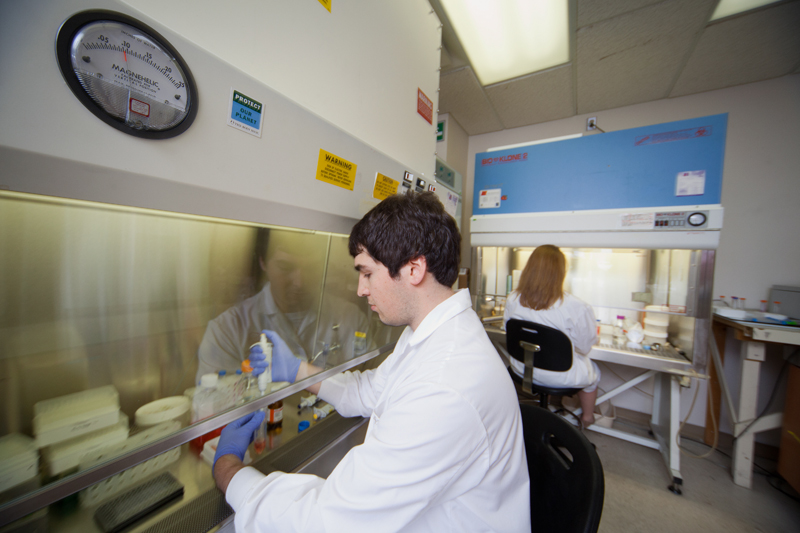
126,74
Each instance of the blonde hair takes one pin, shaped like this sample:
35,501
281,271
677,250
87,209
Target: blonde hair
541,284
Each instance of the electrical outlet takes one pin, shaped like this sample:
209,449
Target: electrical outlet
591,123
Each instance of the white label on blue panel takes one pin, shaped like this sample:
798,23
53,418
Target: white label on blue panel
489,198
690,183
636,221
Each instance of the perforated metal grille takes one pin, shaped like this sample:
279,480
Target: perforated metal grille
202,514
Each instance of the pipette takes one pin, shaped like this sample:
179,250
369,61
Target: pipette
265,378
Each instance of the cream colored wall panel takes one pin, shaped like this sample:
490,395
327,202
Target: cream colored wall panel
540,97
358,66
762,45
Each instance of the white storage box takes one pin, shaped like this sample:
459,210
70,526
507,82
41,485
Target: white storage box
19,460
105,489
67,454
67,417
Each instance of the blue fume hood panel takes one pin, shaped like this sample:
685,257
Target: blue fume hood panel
631,168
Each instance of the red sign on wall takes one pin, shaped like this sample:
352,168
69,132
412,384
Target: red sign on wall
424,106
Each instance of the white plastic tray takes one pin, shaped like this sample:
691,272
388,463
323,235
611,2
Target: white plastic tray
66,417
67,454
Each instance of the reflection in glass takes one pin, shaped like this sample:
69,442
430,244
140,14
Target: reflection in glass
110,317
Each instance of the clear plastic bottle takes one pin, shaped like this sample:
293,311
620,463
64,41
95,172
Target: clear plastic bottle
734,302
763,307
206,402
776,308
619,330
742,303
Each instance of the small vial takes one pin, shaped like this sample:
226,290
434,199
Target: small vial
275,416
734,302
742,303
763,306
776,307
322,412
619,330
249,387
260,439
724,301
308,401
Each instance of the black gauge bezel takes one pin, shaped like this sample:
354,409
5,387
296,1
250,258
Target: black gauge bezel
64,38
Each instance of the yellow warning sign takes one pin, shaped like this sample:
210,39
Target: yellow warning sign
336,171
326,4
384,187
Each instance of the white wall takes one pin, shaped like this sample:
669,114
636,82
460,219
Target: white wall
759,246
358,66
454,150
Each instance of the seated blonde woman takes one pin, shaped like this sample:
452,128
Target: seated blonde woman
540,298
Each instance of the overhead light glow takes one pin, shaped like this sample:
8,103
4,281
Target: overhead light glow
531,143
726,8
506,39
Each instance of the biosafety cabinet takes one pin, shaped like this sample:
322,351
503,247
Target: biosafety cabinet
167,195
638,216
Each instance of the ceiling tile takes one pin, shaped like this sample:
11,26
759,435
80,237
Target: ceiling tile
591,11
636,57
540,97
461,95
762,45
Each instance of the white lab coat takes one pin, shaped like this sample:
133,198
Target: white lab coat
228,337
443,452
575,318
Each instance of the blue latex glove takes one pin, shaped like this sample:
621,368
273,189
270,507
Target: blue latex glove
237,436
284,363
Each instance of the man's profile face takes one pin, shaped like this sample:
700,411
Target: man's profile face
384,294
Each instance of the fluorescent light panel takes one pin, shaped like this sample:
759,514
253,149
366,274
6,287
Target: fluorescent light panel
531,143
726,8
506,39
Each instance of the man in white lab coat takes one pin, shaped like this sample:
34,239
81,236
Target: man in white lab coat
444,449
288,304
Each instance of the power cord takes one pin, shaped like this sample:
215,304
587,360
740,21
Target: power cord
773,478
714,424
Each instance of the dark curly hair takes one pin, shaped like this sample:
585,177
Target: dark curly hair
406,226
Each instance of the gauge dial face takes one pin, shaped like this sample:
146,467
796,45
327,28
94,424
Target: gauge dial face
126,74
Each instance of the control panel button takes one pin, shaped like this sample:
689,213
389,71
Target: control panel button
697,219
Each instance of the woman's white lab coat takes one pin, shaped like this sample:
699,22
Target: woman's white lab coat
574,317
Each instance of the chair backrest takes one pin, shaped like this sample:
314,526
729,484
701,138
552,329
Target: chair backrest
567,482
555,351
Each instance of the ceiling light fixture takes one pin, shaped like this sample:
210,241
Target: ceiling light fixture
506,39
726,8
531,143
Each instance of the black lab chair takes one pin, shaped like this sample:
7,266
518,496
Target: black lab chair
539,346
567,481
